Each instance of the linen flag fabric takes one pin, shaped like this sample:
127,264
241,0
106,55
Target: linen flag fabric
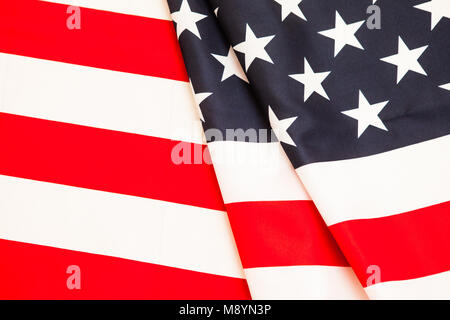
285,247
292,149
91,204
358,96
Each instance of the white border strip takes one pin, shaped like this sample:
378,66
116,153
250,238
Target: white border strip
99,98
117,225
389,183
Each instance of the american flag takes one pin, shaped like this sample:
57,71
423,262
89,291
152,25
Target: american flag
358,95
91,204
224,149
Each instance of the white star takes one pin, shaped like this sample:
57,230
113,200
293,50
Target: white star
438,9
445,86
290,6
312,81
187,19
280,127
231,66
253,47
199,97
343,34
367,114
406,59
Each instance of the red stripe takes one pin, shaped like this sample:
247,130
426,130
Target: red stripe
38,272
403,246
103,160
282,233
106,40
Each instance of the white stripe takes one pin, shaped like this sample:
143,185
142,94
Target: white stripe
146,8
303,282
117,225
385,184
255,172
434,287
99,98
